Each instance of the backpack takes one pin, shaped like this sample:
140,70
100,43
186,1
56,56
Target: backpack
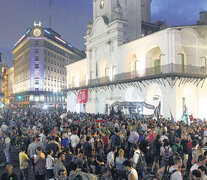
167,175
166,154
118,141
153,149
141,163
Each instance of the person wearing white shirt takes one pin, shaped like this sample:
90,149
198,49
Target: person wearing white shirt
74,140
50,165
136,155
110,157
163,137
144,127
131,172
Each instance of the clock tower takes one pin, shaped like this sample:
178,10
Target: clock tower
132,11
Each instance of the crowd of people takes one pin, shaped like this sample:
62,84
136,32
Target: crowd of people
55,144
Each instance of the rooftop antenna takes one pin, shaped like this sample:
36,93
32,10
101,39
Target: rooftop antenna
50,12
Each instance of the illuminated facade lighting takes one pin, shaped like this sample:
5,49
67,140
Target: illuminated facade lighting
60,39
70,45
20,39
27,31
47,31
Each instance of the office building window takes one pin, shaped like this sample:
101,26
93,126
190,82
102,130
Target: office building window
36,50
36,43
36,66
36,58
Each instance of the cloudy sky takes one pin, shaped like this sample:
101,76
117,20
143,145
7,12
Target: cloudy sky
70,18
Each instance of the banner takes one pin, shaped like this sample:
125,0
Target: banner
82,96
134,109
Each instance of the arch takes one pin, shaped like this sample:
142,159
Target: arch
153,58
71,102
154,96
132,95
102,102
102,68
130,62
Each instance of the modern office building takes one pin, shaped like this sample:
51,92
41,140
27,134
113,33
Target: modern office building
1,94
40,57
138,66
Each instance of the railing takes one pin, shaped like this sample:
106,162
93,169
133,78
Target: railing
169,70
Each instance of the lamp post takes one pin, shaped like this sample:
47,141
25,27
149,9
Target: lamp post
135,68
113,72
106,70
161,56
204,60
91,74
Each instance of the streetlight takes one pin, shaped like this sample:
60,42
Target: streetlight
135,68
204,60
106,70
113,72
161,56
91,74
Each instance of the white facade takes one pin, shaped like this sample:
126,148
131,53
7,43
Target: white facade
175,49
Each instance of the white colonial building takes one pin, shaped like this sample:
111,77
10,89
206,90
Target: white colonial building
130,59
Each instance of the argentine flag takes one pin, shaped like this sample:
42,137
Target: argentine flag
185,117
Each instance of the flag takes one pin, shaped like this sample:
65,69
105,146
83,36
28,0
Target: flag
185,117
172,118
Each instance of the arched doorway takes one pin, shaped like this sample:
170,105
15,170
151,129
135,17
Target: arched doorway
132,95
102,102
71,102
153,60
131,64
102,68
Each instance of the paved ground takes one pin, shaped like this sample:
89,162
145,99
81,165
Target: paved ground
14,155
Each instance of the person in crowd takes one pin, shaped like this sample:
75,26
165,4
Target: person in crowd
120,171
9,174
90,144
174,170
50,161
156,156
59,164
39,164
74,141
131,172
23,164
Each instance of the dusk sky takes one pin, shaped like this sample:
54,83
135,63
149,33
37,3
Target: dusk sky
70,18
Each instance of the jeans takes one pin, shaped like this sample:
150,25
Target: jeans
6,152
24,174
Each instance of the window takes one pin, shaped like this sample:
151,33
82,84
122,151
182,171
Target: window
36,50
36,58
36,89
36,66
36,82
36,43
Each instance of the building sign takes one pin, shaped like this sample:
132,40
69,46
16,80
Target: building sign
82,96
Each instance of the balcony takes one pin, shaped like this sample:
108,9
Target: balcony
169,70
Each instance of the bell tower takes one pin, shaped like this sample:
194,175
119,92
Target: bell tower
131,11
